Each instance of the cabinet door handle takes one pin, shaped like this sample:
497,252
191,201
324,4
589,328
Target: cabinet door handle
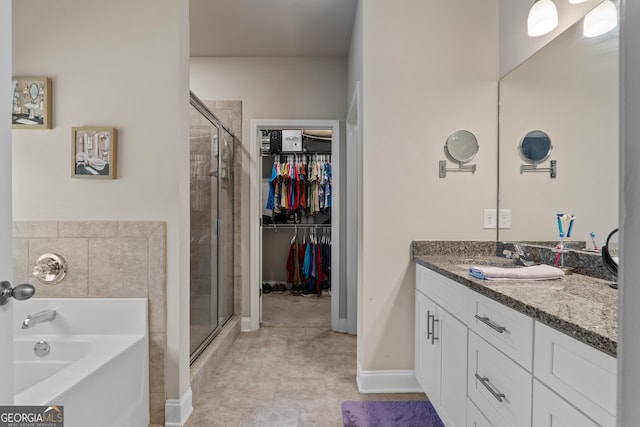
431,333
485,382
490,324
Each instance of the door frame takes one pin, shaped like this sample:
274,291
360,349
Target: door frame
338,323
353,232
6,225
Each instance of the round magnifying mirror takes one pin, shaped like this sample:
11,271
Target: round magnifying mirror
34,91
535,147
461,146
610,252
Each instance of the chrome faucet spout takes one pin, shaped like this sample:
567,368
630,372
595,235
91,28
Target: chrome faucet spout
521,257
42,316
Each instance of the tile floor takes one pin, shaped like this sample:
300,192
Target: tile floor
280,377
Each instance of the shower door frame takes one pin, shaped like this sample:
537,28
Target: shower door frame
252,323
216,226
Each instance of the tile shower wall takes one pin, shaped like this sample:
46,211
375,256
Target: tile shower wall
111,259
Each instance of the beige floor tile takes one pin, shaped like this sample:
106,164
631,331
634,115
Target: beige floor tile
279,377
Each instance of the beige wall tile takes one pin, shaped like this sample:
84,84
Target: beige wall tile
21,272
35,229
75,252
118,267
138,228
157,250
157,303
88,229
156,407
157,345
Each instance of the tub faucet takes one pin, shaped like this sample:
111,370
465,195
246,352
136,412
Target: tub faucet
42,316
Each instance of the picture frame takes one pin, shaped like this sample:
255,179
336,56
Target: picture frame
94,152
32,103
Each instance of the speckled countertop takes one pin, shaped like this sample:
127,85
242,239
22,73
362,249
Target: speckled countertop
583,307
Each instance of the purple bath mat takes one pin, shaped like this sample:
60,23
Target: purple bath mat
403,413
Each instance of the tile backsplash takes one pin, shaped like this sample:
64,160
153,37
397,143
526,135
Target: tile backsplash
106,259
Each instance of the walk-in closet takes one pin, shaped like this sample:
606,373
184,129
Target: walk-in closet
297,232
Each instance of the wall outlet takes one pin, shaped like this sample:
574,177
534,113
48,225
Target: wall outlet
504,218
490,218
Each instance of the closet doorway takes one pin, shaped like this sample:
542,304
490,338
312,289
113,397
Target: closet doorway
301,230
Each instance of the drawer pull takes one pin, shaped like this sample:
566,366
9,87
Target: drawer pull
485,382
490,324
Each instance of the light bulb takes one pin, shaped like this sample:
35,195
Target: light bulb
543,17
600,20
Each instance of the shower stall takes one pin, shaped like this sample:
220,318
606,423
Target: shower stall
212,216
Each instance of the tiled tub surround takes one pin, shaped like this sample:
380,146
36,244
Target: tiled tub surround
107,259
582,307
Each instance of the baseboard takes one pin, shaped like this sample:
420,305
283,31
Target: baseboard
245,324
387,381
177,412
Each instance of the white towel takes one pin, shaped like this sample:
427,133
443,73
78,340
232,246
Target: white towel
535,272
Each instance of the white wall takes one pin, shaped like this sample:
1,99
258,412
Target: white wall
423,79
515,43
121,64
271,88
6,257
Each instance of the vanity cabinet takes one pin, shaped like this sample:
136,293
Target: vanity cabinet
441,348
484,364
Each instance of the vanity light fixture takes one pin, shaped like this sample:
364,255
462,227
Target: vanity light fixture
602,19
577,1
543,18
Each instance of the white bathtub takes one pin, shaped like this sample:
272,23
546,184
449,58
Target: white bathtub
98,364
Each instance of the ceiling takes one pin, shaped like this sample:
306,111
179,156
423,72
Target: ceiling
271,27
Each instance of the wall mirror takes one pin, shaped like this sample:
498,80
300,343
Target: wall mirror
535,147
569,90
461,147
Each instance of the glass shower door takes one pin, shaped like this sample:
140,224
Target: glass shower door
212,222
204,238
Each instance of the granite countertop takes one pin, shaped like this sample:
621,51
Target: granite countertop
583,307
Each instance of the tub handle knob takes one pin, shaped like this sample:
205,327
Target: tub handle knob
50,269
20,292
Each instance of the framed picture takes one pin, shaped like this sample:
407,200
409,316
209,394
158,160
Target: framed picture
93,152
31,103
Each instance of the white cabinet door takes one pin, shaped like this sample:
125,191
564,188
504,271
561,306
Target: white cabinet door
550,410
581,374
451,335
427,360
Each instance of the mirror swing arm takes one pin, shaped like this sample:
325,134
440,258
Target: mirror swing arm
552,169
461,168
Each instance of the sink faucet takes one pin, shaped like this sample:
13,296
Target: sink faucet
520,257
42,316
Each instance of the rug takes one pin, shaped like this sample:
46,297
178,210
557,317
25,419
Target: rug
402,413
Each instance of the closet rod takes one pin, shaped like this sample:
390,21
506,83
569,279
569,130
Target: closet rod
274,226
